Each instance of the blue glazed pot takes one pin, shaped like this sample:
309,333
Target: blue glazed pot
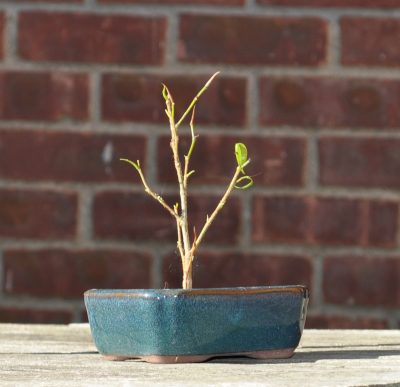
176,325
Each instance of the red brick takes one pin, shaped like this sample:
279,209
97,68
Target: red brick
91,38
370,41
124,216
196,2
330,102
369,281
252,40
274,161
43,1
383,226
334,3
281,219
67,273
342,322
39,155
340,221
213,269
34,316
43,96
133,97
362,162
323,220
37,214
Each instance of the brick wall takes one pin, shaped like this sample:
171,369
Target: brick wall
313,88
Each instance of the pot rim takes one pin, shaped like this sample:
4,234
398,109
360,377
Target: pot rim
226,291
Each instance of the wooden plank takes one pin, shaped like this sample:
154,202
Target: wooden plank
55,355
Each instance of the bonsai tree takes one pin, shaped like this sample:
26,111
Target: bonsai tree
187,245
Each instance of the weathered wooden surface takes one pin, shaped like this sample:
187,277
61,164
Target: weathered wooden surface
49,355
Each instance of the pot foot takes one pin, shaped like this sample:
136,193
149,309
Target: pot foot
275,354
167,359
116,358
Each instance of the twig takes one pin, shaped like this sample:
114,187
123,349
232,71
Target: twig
182,191
221,203
195,99
149,190
186,172
179,232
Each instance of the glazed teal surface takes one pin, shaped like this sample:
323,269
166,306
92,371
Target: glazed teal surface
196,322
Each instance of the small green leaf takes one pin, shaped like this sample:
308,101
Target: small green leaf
245,185
241,155
135,165
165,92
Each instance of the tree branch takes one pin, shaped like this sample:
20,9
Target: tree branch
195,99
149,190
182,191
179,232
219,206
186,172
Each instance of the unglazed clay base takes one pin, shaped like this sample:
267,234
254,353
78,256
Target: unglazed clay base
274,354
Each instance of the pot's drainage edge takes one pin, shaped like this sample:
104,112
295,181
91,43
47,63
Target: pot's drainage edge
170,359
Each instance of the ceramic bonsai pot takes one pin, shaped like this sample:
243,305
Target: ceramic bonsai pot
175,325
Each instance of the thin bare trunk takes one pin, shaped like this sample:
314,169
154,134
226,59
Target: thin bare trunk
187,281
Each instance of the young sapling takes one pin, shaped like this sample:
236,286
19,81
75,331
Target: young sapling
188,246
